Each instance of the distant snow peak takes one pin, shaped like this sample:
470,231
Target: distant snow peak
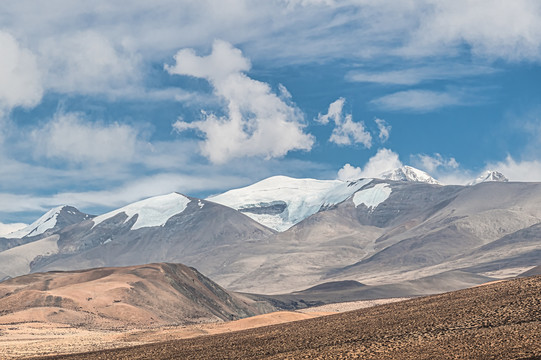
280,202
489,175
372,197
150,212
46,222
408,173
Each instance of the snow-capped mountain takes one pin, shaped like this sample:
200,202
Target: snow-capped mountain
408,173
170,228
374,231
489,175
150,212
280,202
53,219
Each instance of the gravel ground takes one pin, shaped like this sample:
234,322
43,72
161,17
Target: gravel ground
496,321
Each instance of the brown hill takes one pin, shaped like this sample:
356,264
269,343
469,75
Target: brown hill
136,296
496,321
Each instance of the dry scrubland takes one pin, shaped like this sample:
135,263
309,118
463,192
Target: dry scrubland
497,321
31,339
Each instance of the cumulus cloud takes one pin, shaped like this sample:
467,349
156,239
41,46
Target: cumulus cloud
346,131
334,113
384,160
384,130
87,63
417,100
68,136
434,163
257,122
20,80
349,172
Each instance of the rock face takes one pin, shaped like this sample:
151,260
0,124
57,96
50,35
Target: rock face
146,295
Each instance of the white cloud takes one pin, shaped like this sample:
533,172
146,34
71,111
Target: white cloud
417,100
20,81
6,229
349,172
456,177
334,113
322,28
87,63
384,130
108,56
349,132
434,163
68,136
114,197
416,75
493,29
384,160
257,121
346,131
446,169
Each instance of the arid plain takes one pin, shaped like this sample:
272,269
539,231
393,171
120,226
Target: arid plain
501,320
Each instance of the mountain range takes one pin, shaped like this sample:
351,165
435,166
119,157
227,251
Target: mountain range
283,235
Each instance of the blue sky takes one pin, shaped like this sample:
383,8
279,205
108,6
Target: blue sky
104,104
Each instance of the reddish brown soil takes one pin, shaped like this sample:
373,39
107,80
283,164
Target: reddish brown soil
497,321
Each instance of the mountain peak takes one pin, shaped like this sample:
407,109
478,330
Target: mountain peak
57,217
489,175
408,173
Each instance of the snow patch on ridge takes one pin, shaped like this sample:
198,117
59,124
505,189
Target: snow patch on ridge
38,227
150,212
372,197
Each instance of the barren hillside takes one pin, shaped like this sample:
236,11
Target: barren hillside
496,321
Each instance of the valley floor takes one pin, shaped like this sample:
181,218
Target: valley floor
496,321
34,339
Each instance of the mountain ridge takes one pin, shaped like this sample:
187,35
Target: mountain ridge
384,231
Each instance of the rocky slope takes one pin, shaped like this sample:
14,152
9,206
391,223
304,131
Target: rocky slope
496,321
390,232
